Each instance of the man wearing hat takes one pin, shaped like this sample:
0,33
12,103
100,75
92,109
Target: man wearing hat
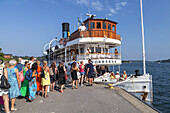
117,76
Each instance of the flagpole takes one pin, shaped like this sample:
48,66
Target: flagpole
78,22
143,42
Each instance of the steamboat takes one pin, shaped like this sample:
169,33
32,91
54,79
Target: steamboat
99,42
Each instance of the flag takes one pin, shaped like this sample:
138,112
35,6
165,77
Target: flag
79,20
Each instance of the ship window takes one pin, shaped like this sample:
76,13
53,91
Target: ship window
98,50
98,25
92,25
77,51
105,50
73,52
81,50
109,26
92,49
104,25
87,26
113,27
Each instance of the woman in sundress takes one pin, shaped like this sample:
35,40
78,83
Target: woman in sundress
45,82
38,77
61,76
32,73
14,81
4,92
25,84
53,73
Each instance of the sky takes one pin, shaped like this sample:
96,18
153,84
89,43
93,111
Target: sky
27,25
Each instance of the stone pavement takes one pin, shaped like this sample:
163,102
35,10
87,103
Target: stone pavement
85,99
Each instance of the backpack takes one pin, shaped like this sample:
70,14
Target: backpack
28,75
43,73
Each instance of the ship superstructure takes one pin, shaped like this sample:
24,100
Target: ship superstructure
95,43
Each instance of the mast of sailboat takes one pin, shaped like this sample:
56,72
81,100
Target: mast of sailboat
143,43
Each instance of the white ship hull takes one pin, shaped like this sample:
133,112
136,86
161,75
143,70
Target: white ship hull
140,86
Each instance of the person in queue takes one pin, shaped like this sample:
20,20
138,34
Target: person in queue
4,92
74,70
38,77
19,66
90,72
98,70
31,62
53,73
103,70
81,68
25,84
61,76
14,81
32,73
45,82
85,73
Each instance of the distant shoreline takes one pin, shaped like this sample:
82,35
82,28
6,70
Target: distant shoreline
163,61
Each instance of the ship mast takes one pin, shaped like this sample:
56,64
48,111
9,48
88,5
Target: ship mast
143,43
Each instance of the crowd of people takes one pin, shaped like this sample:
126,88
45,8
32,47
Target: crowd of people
37,78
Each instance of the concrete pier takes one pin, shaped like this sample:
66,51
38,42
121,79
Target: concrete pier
85,99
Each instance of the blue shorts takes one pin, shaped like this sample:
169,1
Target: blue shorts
90,75
82,73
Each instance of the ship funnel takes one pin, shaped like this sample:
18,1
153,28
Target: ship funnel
65,30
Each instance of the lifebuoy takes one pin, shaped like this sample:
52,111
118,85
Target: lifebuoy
65,42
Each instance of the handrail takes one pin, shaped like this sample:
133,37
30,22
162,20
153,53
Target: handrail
99,53
94,33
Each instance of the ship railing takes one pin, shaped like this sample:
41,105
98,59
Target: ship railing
94,33
84,56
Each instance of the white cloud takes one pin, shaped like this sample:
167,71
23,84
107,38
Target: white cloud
81,2
94,4
120,5
112,11
123,3
97,5
110,14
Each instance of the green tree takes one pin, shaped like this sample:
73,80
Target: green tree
1,53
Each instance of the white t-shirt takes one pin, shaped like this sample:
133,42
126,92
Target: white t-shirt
31,63
117,76
82,28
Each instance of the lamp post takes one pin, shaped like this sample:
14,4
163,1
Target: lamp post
45,53
49,48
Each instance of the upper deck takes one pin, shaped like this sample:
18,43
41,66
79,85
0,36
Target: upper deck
97,28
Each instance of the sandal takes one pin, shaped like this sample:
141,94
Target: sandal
13,109
46,96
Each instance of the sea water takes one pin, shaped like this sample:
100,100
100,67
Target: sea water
160,78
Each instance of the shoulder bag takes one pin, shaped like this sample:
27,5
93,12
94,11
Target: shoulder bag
4,82
21,76
42,73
